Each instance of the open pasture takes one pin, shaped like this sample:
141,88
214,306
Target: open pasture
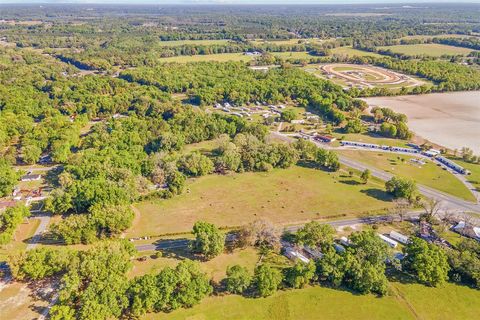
406,301
221,57
283,196
349,51
178,43
428,49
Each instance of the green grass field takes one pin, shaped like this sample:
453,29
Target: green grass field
222,57
429,174
349,51
287,196
423,37
289,41
176,43
293,55
407,301
430,49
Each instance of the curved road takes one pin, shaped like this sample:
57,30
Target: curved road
448,201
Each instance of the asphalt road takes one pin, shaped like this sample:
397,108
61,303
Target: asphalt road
44,220
183,243
448,202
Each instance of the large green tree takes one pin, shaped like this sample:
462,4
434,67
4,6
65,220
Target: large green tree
427,261
8,178
209,241
267,280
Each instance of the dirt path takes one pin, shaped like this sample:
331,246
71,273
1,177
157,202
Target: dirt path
405,302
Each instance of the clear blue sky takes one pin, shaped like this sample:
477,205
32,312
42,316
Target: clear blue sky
240,1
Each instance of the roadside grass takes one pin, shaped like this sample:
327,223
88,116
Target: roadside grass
474,177
221,57
369,138
430,49
429,174
24,231
283,196
349,51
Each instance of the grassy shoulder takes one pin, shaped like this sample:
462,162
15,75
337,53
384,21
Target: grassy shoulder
474,177
286,196
428,174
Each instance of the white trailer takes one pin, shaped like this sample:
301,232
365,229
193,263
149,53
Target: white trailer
398,237
390,242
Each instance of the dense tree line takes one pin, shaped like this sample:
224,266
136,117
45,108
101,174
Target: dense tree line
205,84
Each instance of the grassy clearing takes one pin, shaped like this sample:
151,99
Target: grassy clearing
424,37
289,41
17,302
430,49
176,43
293,55
286,196
215,268
23,232
429,174
349,51
221,57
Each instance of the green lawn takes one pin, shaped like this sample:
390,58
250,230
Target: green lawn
349,51
408,301
284,196
429,174
222,57
430,49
